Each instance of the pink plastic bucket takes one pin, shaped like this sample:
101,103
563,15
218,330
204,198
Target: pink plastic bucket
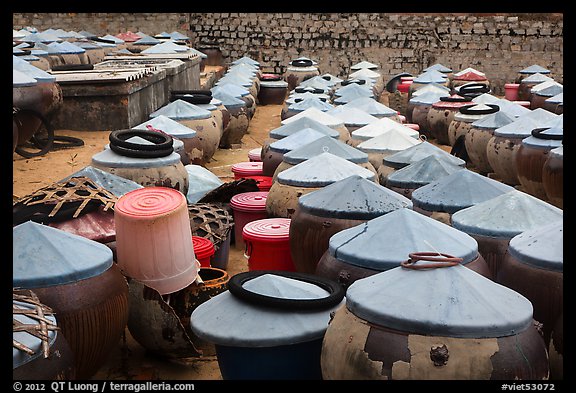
247,169
511,91
247,207
254,155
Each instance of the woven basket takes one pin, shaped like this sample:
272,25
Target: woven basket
211,221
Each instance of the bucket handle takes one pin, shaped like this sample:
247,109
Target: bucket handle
247,249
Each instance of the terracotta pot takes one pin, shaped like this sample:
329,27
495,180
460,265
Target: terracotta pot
462,121
553,177
441,114
556,350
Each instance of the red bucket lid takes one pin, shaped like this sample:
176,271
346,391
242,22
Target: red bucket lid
149,202
249,168
249,201
408,79
267,229
202,247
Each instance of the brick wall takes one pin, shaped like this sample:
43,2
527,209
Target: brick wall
497,44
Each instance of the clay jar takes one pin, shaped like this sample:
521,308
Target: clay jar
478,136
77,278
402,332
495,221
421,105
325,212
527,83
467,115
202,99
238,92
473,76
553,177
532,155
308,176
301,105
503,146
441,114
539,97
555,104
533,266
432,87
238,120
354,254
298,70
272,90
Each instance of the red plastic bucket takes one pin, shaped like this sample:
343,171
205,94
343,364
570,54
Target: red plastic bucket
511,91
247,207
263,182
403,87
246,169
254,155
268,244
204,250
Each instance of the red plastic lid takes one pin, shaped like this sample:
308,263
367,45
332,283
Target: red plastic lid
267,229
470,76
249,201
149,202
254,154
408,79
511,85
203,247
414,126
264,183
453,102
250,168
403,87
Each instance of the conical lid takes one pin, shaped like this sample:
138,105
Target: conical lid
311,102
331,78
235,79
469,114
557,152
246,60
458,191
165,47
382,126
20,79
364,64
32,71
321,170
169,126
533,69
317,82
181,110
545,138
229,320
115,184
494,121
422,172
428,98
228,100
109,158
365,73
370,106
551,90
447,302
299,124
506,216
352,116
353,90
296,140
384,242
389,142
230,88
536,78
469,69
147,40
325,144
512,108
176,35
418,152
434,87
44,256
524,125
66,48
486,98
353,198
541,247
296,97
470,76
432,76
315,114
557,99
438,67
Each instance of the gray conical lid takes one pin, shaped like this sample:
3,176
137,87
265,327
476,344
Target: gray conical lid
50,49
147,40
511,108
353,198
202,55
228,320
41,37
317,82
325,144
524,125
418,152
494,121
296,140
321,170
20,79
108,158
32,71
438,67
422,172
237,80
428,98
557,152
331,78
115,184
182,110
542,247
550,91
432,76
232,89
384,242
353,90
176,35
165,47
506,216
371,106
69,47
388,143
543,142
300,124
246,60
311,102
169,126
244,70
382,126
536,78
318,115
535,68
364,64
434,87
365,73
447,302
293,98
476,114
458,191
557,99
87,34
486,98
228,100
352,116
44,256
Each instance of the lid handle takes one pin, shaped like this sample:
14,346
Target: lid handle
438,259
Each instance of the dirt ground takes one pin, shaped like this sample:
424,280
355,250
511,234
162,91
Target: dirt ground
130,361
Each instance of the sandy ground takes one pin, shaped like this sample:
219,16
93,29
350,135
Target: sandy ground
130,361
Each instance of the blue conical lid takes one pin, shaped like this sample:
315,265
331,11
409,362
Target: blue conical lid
370,106
321,170
41,37
247,60
331,78
434,87
422,172
431,76
87,34
300,124
384,242
506,216
293,98
557,99
243,69
296,140
237,80
176,35
352,88
352,116
524,125
50,49
231,321
388,143
147,40
113,38
533,69
32,71
536,78
325,144
115,184
418,152
364,64
438,67
551,90
163,34
486,98
353,198
165,47
228,100
382,126
169,126
20,79
446,302
317,82
494,121
44,256
232,89
68,47
549,138
311,102
87,45
541,247
315,114
182,110
428,98
511,108
108,158
458,191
